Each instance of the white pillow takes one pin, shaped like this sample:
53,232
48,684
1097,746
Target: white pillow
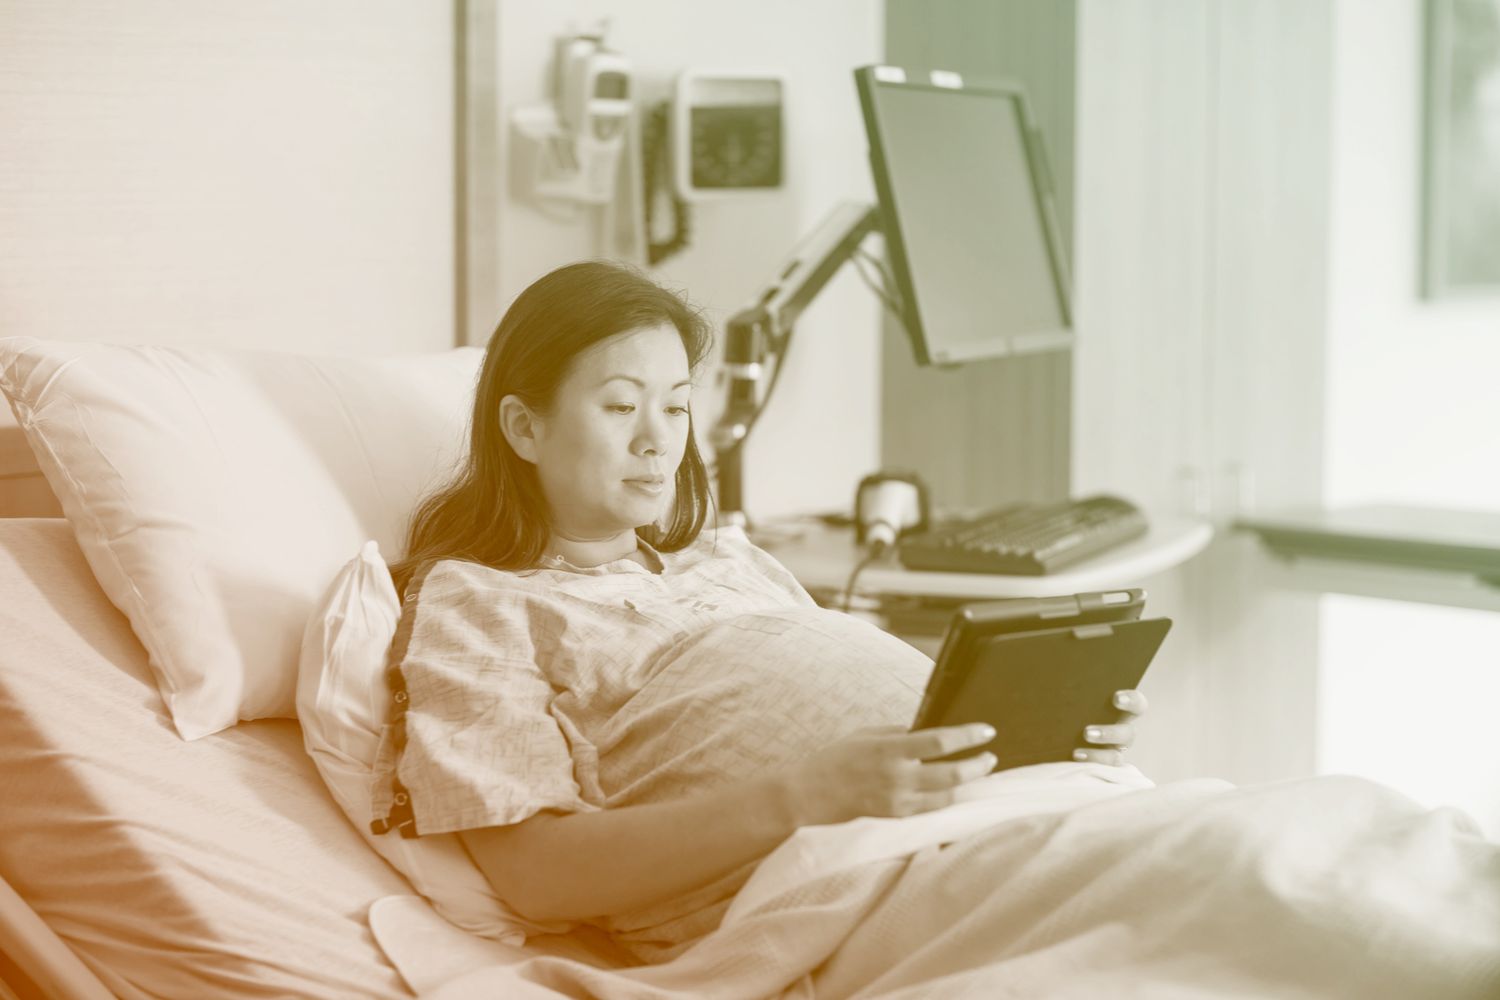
343,702
215,493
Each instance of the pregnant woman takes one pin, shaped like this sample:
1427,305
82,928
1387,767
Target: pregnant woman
620,710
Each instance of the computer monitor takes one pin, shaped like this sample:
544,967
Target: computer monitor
966,205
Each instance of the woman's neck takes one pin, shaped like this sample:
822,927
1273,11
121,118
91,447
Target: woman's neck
592,551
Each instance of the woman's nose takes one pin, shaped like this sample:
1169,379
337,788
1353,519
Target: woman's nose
651,438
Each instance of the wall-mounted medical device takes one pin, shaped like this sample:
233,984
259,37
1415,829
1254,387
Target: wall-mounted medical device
571,147
720,135
727,133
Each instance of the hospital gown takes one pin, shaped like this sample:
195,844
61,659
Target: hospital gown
573,689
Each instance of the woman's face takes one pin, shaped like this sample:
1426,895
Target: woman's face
607,452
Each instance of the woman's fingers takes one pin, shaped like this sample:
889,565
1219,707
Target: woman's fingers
1112,740
935,777
881,731
925,744
1131,702
1118,735
1098,756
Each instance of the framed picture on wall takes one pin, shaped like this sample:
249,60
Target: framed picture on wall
1462,162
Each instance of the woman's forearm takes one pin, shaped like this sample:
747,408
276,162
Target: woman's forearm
581,865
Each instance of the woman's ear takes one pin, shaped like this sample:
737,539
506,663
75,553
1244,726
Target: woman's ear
519,425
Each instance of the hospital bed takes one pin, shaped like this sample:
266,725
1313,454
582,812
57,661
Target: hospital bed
137,863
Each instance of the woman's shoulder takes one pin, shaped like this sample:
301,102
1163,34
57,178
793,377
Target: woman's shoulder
462,595
457,576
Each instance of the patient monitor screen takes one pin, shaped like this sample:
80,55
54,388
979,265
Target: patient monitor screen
975,255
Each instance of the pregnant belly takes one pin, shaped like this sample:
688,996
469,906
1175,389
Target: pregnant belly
754,692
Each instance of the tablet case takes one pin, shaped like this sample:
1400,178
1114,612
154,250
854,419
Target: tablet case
1041,689
979,620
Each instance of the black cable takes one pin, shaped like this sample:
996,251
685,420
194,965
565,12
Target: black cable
888,290
891,303
877,549
885,272
656,176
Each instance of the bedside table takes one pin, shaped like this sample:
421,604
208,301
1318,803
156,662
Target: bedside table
917,605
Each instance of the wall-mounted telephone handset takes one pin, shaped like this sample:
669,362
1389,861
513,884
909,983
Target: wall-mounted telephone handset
720,136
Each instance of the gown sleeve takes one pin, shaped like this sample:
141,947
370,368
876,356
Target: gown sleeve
471,742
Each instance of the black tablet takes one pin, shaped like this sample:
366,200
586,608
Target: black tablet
982,620
1041,689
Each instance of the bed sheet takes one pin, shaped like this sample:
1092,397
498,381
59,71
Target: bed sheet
213,868
1309,888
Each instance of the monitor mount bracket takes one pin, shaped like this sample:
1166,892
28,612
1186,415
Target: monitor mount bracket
758,335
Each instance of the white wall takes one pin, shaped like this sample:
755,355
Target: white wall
1407,691
270,175
821,432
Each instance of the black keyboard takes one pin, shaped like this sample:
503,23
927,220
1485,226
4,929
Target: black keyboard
1025,539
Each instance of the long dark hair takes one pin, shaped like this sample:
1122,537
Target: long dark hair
493,511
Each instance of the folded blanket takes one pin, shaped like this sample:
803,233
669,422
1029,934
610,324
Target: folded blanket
1319,887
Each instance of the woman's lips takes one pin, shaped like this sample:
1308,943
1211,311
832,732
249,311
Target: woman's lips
652,486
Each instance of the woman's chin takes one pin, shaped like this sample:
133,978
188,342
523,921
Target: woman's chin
640,509
640,515
650,520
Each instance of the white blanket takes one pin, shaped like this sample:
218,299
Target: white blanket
1066,881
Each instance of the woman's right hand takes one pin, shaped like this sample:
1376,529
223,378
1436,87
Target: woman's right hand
884,772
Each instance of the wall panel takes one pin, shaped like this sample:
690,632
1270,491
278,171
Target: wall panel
267,175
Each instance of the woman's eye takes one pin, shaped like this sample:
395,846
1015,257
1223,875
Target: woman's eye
621,408
677,411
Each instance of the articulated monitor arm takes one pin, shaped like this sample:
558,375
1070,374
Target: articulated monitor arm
758,334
